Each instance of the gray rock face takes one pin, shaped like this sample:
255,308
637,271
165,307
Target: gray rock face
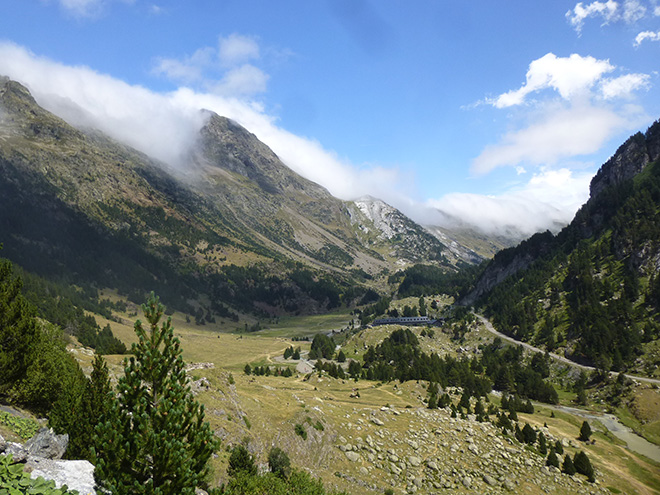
47,444
77,475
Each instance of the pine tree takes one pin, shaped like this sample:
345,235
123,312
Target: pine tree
585,432
279,462
18,329
568,466
528,433
79,417
552,459
543,447
241,461
583,466
155,440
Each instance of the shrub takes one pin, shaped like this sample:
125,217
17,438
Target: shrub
300,431
241,462
279,462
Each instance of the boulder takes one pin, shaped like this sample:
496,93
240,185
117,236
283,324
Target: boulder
353,456
77,475
47,444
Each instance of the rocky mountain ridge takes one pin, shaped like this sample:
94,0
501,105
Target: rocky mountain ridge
630,160
74,196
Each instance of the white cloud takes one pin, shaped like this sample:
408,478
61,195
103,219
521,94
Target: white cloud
223,70
237,49
164,124
630,12
561,133
624,86
188,70
569,76
548,200
244,80
579,122
606,10
82,8
647,35
656,11
87,8
633,11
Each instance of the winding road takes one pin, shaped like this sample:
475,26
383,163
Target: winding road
489,326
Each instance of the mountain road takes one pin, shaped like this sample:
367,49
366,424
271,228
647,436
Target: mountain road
489,326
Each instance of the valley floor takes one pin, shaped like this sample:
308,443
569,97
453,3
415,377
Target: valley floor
385,438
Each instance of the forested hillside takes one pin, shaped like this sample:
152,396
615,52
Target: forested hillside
593,290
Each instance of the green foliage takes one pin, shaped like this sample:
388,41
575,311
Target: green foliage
287,286
568,467
370,312
154,440
300,431
65,306
78,411
585,431
19,331
322,347
529,434
588,286
543,446
279,462
552,459
583,466
241,462
297,483
14,481
399,357
418,280
35,368
23,427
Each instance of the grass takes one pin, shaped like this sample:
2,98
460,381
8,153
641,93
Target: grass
308,326
264,411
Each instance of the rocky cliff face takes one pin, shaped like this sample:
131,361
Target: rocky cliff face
405,240
629,160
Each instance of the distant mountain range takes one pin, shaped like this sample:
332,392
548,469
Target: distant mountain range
80,206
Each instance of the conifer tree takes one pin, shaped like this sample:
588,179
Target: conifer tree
568,466
155,440
552,459
18,329
528,433
585,431
543,447
583,466
78,416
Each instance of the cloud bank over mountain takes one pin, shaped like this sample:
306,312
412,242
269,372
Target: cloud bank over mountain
163,124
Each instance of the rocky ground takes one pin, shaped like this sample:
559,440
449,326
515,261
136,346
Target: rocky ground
436,453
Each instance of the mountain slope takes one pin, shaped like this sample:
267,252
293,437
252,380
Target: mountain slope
77,205
593,289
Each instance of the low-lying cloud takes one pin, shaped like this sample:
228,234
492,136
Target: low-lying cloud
164,124
547,201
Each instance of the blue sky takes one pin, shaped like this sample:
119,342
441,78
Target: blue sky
495,112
